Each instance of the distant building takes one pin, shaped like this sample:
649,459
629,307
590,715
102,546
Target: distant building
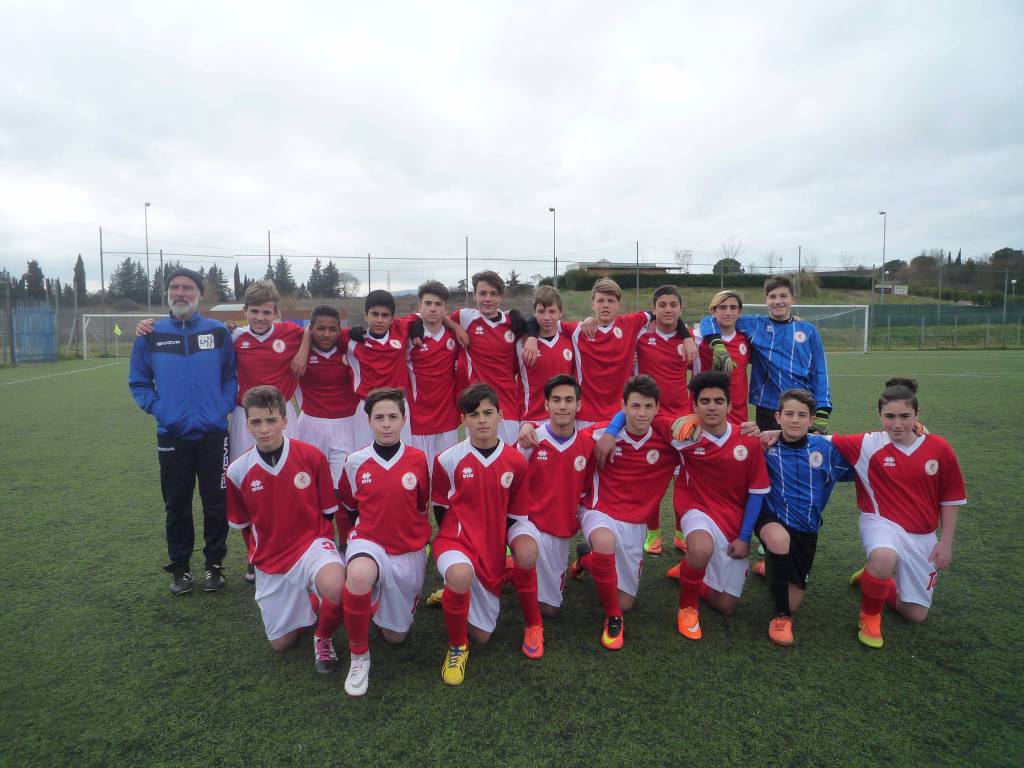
607,268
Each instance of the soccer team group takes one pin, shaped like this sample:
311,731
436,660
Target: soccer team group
569,427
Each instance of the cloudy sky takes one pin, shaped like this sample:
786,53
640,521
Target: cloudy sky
399,130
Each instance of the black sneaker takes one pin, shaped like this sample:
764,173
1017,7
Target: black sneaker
576,569
182,583
323,652
214,578
250,573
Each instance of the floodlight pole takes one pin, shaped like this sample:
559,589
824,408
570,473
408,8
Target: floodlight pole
149,279
554,251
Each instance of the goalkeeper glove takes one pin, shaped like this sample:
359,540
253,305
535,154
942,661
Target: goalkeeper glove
721,360
920,429
686,428
820,425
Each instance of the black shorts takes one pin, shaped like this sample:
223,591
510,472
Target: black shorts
766,419
802,546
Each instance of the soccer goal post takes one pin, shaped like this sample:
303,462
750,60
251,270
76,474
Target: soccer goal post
843,327
108,335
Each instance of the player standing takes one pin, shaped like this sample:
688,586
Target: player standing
726,307
786,354
909,485
555,354
280,494
480,482
387,486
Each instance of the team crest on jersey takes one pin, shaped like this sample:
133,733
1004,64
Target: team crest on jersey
567,354
506,480
699,451
509,336
800,337
366,478
579,463
302,480
542,454
395,344
617,332
205,340
467,473
256,485
743,348
278,345
450,344
739,453
815,459
653,456
931,467
408,481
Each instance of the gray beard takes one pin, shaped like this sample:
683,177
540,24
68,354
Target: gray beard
184,313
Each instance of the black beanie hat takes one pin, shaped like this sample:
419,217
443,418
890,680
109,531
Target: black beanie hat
185,272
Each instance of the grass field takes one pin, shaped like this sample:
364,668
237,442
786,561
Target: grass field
101,666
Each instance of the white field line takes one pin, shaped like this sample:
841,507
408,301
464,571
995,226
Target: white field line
957,375
51,375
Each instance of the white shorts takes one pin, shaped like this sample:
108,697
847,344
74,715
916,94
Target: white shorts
239,439
508,431
332,436
483,606
915,573
629,546
724,574
434,444
552,560
398,587
283,598
362,435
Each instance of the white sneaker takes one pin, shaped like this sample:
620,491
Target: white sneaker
358,679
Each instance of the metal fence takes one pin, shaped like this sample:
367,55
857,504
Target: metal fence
31,333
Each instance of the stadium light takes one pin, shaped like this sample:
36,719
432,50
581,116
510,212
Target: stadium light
884,217
554,252
149,279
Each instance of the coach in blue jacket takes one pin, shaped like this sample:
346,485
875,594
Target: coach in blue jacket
183,373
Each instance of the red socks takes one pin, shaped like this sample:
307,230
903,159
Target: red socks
330,618
357,620
873,593
602,568
690,582
525,582
455,606
892,599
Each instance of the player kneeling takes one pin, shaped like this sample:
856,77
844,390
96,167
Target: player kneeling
804,469
559,471
279,492
908,486
477,485
718,496
385,486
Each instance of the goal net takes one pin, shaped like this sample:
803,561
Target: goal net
843,327
108,335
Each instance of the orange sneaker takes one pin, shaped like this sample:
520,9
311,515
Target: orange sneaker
679,542
533,641
780,630
688,623
673,572
612,636
759,569
870,630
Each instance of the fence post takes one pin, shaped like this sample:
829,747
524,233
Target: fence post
956,319
920,343
988,328
1018,331
888,328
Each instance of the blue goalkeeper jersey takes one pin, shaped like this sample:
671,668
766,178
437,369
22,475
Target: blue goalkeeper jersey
803,475
784,355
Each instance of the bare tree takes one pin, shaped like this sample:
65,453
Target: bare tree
847,262
772,260
810,261
731,249
684,259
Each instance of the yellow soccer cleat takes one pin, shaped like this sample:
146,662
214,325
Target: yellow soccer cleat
612,635
855,577
870,630
434,598
652,544
453,672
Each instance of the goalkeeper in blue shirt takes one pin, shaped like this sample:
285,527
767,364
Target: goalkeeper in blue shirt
786,354
804,468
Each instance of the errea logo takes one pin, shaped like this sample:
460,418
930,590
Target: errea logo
366,478
699,451
467,473
889,462
542,454
479,330
651,341
255,486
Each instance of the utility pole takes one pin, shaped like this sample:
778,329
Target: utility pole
103,291
799,267
149,277
369,274
554,251
636,300
270,267
163,279
466,294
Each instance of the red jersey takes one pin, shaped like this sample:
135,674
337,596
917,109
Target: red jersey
560,473
662,356
267,359
629,487
554,356
380,362
282,506
907,485
326,386
604,364
739,351
390,497
718,475
491,357
480,494
432,390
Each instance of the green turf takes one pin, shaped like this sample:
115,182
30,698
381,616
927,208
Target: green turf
101,666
